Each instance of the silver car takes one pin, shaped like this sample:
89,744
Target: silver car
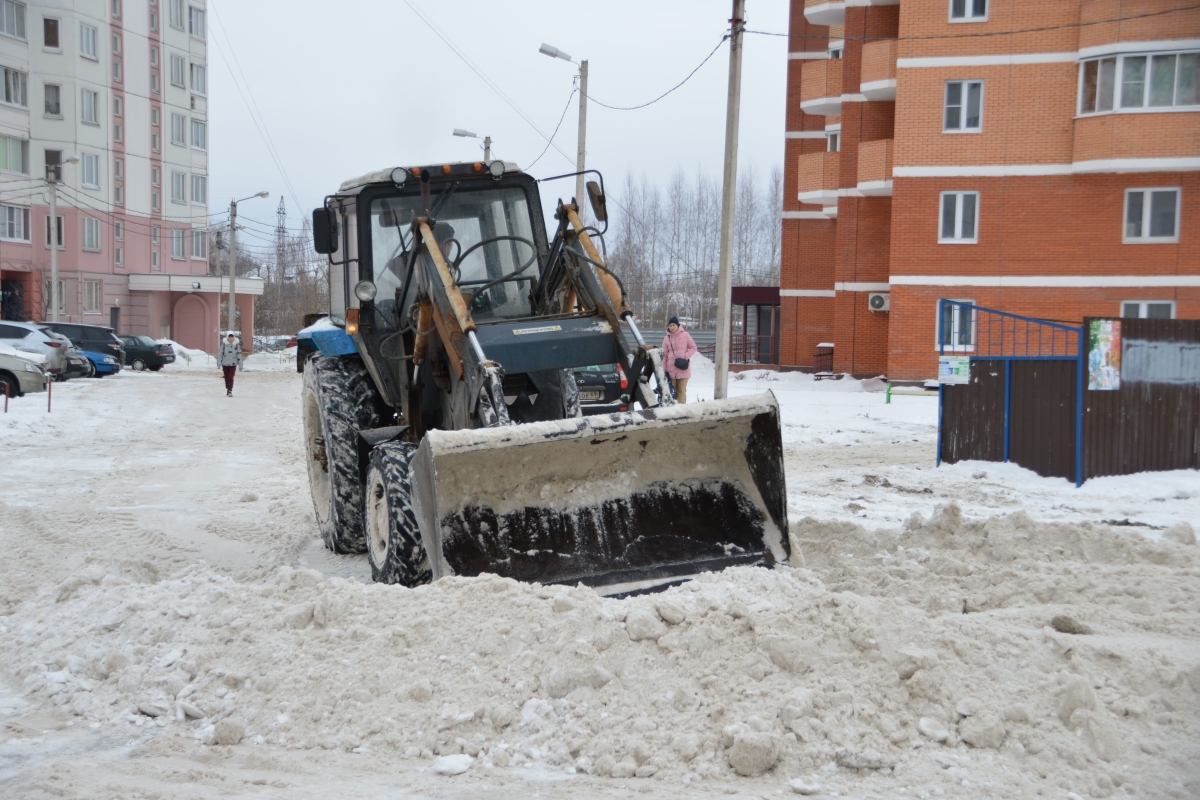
19,375
27,336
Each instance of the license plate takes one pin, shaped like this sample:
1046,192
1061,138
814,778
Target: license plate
590,394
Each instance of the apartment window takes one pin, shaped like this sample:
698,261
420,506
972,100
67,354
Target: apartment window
91,297
177,63
87,42
956,327
117,133
155,235
117,71
154,144
196,22
960,218
833,142
54,164
178,129
1136,82
59,231
118,106
1148,309
90,170
199,134
153,24
118,195
14,155
50,34
154,176
154,264
53,98
15,84
12,18
964,106
119,256
116,4
154,117
1151,216
89,101
200,244
155,201
835,52
91,234
154,81
178,187
116,44
177,14
14,223
177,245
119,169
968,10
47,294
199,79
119,230
199,190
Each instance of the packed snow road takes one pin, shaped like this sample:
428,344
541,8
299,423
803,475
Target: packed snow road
170,626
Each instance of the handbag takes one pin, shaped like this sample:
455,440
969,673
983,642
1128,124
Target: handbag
682,363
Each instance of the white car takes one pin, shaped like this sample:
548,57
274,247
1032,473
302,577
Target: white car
21,373
29,338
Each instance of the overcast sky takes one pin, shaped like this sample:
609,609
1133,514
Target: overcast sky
372,85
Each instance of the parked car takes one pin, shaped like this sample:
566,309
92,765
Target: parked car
29,338
271,344
142,352
104,364
93,338
78,366
600,389
67,348
20,372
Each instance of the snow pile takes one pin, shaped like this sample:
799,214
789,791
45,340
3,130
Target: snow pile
36,358
187,355
1003,653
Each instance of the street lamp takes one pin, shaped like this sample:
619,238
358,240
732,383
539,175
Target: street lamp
233,229
487,142
554,52
53,176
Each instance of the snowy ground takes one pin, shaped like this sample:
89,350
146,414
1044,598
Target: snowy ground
164,593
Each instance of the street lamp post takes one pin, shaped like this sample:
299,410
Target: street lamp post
487,142
52,180
581,149
733,105
233,253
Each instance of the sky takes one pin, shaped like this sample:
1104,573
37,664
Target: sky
372,86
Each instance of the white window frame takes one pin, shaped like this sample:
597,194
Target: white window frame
16,84
176,19
833,141
91,234
155,264
116,41
117,76
956,327
153,21
118,169
199,87
119,256
48,289
154,56
1116,107
178,70
199,244
118,133
199,182
45,47
46,112
87,42
118,195
155,235
14,224
155,176
116,9
195,14
119,230
84,117
19,18
155,201
178,247
92,295
1146,238
1142,307
179,129
199,142
21,146
154,83
154,116
966,85
179,187
155,142
958,218
89,170
969,14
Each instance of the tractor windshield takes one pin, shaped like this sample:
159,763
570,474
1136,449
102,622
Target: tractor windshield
496,217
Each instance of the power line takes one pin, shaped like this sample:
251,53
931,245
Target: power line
668,91
566,108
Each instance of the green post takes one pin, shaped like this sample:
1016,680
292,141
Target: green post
888,401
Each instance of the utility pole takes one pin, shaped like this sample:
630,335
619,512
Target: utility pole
52,179
487,149
232,260
729,198
582,149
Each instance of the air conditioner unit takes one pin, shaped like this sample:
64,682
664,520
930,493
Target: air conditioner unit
879,301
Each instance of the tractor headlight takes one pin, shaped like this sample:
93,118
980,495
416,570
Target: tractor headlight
496,168
365,291
399,176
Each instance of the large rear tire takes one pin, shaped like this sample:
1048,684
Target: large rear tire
394,545
339,400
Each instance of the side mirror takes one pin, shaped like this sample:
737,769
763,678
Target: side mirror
596,198
325,231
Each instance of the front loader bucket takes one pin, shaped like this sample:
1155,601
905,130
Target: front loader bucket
620,502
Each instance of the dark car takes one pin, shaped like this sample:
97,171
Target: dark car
79,366
600,389
142,352
93,338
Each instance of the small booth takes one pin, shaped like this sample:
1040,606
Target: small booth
756,341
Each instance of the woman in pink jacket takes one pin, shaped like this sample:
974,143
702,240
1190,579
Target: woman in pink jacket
678,344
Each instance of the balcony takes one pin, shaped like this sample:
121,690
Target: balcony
821,87
879,70
825,12
817,178
875,168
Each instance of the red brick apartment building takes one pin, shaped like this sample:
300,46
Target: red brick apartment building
1042,158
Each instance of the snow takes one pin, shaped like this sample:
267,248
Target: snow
8,350
170,625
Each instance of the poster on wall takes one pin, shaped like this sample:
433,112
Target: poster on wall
954,369
1104,354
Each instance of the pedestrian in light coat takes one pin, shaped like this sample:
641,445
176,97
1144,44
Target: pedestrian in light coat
229,357
678,344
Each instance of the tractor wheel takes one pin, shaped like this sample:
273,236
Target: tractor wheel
394,545
339,400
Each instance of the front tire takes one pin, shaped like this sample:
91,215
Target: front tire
394,545
339,400
138,365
